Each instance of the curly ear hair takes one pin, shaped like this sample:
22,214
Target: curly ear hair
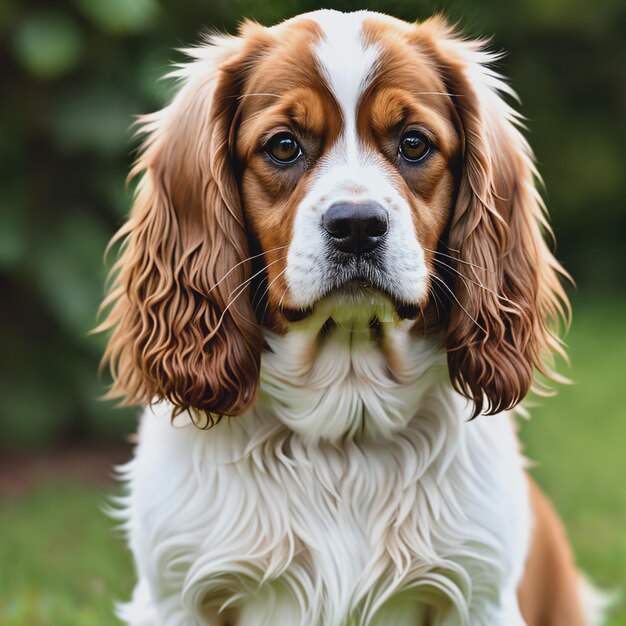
508,298
181,323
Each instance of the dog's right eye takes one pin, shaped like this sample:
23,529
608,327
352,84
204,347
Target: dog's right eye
283,149
414,146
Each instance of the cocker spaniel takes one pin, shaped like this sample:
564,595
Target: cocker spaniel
335,260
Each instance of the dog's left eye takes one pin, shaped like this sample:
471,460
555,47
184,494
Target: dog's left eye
283,148
414,146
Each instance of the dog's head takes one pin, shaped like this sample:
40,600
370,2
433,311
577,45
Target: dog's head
335,160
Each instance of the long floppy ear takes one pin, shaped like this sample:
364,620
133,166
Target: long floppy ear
508,299
181,322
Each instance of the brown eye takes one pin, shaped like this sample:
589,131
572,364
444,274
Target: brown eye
283,148
414,146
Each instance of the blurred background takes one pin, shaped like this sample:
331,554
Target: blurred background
74,73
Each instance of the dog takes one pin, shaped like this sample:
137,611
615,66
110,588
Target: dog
335,261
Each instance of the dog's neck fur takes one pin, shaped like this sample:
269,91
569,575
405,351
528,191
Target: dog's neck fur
349,372
361,478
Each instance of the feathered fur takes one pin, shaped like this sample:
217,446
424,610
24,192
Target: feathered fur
346,484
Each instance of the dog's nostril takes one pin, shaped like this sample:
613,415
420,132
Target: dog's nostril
338,227
377,225
356,227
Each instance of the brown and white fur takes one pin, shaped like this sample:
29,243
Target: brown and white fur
308,456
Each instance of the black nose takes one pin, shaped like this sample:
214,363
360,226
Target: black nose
356,227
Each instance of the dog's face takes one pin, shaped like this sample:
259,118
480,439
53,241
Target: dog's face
349,148
333,161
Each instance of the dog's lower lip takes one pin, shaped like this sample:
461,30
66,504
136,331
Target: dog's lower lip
296,315
407,311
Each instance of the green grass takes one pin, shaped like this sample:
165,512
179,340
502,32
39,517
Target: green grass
577,440
61,563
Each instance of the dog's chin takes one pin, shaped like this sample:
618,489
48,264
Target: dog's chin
358,297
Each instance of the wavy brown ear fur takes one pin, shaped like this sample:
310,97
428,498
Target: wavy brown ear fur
181,322
508,297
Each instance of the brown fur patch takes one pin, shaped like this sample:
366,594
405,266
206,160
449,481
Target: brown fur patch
549,594
502,284
408,92
300,103
182,327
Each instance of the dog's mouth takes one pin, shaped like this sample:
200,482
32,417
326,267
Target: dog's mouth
357,293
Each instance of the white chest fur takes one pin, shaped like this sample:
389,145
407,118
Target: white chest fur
352,520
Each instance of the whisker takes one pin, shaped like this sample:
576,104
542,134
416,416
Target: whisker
440,93
474,282
246,95
239,289
450,248
255,296
267,291
263,269
463,278
250,258
437,302
449,256
437,278
280,302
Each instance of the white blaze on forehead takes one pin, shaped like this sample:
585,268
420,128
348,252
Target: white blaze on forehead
348,63
354,172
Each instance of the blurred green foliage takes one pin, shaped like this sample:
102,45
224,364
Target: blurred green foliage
74,72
